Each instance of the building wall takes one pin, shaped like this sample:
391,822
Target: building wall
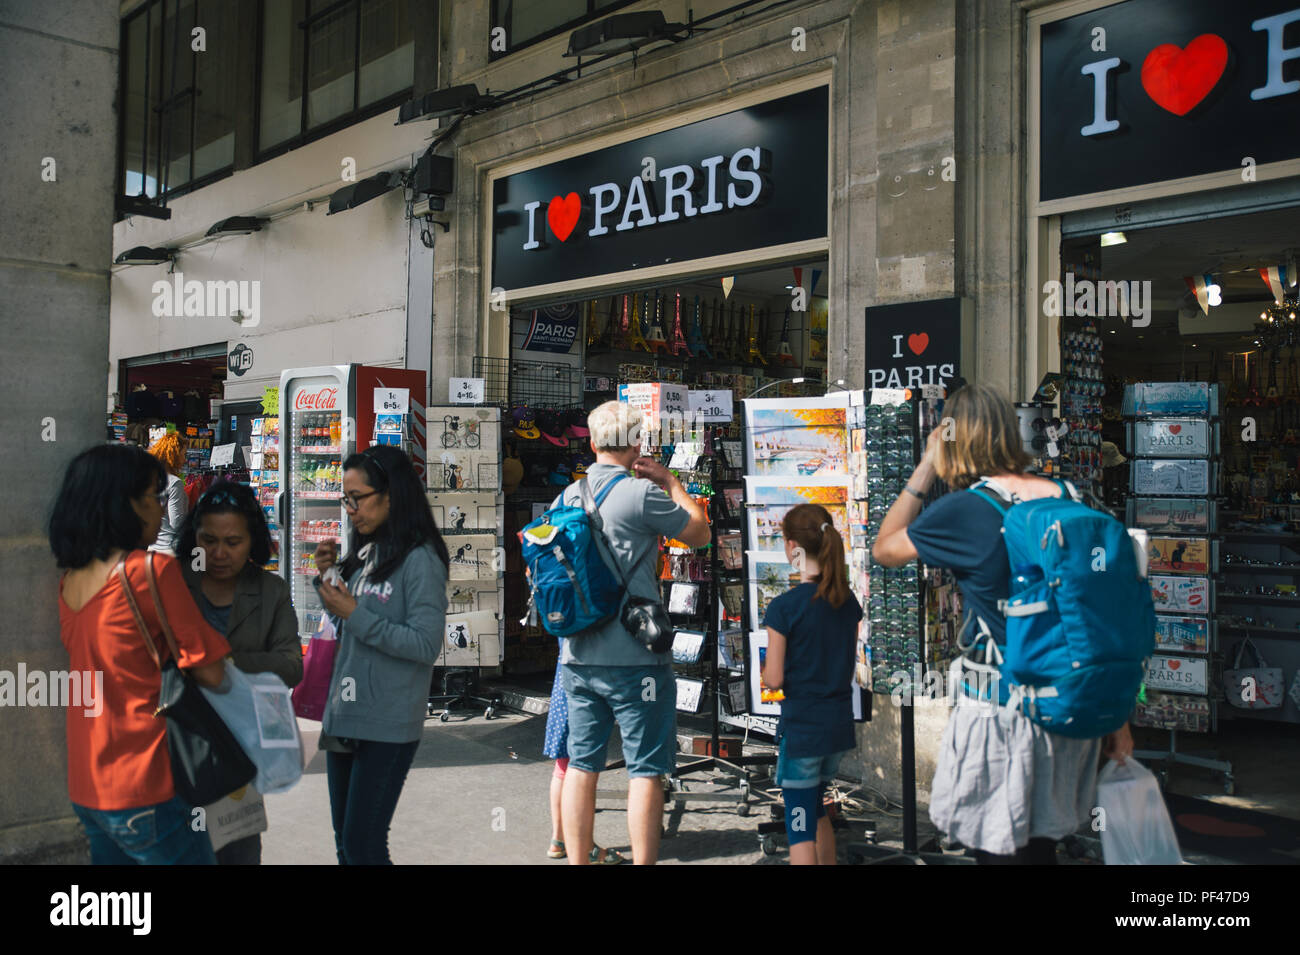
893,72
333,288
58,67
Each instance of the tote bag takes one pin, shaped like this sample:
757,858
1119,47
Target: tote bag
207,761
1253,688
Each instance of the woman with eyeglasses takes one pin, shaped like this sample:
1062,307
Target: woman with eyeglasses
390,608
107,512
223,546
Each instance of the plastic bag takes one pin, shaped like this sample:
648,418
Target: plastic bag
259,712
1136,828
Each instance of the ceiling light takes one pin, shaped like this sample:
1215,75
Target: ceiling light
1113,238
143,255
354,194
621,33
237,225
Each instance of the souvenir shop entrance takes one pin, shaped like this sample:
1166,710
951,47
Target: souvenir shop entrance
689,351
1181,394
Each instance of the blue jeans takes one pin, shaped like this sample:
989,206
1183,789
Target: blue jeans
161,834
600,696
364,788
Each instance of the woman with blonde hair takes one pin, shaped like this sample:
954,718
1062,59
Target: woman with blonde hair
170,450
1004,787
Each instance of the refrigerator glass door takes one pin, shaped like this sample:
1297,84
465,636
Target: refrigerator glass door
314,406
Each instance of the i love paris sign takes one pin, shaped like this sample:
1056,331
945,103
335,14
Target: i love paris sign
1152,90
748,179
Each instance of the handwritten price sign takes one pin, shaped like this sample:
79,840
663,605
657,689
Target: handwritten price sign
392,401
711,406
465,391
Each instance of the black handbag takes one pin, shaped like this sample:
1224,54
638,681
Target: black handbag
207,761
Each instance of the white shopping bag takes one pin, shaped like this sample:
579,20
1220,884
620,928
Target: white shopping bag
1136,828
259,712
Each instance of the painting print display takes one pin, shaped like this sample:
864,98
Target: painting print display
764,701
769,501
804,441
772,576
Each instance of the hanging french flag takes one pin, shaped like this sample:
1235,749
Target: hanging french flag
1275,278
1198,285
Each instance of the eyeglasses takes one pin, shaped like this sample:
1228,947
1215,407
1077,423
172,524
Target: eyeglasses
353,501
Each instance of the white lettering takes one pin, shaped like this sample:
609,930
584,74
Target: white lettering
755,156
1100,99
637,200
1277,55
687,174
531,209
602,208
711,166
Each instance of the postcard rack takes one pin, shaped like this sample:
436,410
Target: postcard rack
1172,431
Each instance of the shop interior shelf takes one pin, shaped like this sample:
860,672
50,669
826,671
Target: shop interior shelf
1261,599
1271,633
1285,570
1262,537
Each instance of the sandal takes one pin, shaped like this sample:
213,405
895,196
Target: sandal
556,851
601,856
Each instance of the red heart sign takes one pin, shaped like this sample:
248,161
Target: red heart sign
1178,79
918,343
1173,664
1175,428
562,215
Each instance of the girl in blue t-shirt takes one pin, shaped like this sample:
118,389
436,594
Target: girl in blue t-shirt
811,633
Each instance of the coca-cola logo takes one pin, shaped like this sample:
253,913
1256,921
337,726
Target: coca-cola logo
321,399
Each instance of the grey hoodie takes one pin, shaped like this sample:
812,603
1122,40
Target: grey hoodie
386,652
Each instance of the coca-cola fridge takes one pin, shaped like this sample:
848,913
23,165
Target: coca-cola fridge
326,414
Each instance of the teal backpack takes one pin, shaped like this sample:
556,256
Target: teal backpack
1080,618
569,565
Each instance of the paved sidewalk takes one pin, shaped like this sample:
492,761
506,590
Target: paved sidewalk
478,794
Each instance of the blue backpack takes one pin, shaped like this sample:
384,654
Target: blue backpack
1080,618
573,587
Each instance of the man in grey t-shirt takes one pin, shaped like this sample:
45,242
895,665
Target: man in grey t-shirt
608,675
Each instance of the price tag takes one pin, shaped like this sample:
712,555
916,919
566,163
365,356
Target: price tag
711,406
392,401
222,454
932,391
465,391
888,396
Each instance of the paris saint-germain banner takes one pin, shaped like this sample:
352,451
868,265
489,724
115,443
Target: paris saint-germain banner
553,329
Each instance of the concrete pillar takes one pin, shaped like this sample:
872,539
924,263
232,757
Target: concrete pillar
59,70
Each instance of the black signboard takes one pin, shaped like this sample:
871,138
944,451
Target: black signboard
1150,90
748,179
913,343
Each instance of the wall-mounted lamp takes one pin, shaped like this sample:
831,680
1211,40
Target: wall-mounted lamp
143,255
236,225
354,194
621,33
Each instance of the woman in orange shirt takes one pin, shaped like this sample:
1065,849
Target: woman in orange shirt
119,774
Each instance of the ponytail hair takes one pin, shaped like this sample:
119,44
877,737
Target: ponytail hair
811,527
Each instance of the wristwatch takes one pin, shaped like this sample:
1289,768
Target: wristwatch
916,494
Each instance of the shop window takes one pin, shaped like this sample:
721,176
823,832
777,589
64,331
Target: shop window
354,58
530,21
178,104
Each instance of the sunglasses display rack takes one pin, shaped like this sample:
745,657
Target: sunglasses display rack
1081,408
1173,444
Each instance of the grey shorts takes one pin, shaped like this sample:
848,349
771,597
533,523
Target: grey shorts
642,700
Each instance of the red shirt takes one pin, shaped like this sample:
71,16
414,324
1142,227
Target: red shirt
118,759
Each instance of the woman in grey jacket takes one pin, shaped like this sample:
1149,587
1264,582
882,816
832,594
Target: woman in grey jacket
390,612
239,599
